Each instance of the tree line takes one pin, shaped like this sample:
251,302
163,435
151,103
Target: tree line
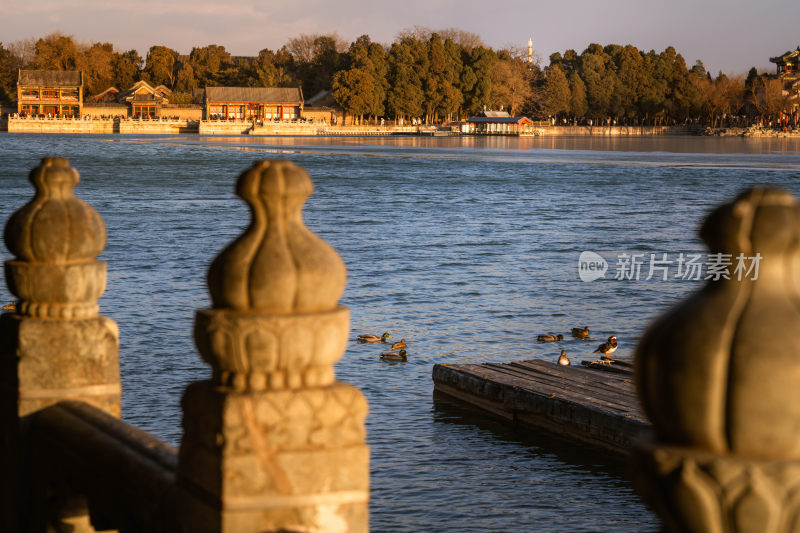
432,75
626,85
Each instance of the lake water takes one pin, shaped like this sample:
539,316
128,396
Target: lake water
467,248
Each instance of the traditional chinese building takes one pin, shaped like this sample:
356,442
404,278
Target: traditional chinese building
498,123
252,103
145,101
58,93
789,72
788,64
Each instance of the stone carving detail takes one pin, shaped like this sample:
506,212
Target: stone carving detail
702,492
717,375
55,238
275,321
320,418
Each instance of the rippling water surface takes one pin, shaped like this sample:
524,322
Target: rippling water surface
467,248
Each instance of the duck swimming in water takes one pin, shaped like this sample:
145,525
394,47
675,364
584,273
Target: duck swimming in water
562,359
402,355
549,338
374,338
607,348
581,333
401,344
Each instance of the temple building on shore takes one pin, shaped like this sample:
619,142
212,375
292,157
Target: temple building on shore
788,64
142,101
50,92
145,100
789,72
498,123
252,103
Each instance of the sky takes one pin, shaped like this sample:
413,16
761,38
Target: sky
727,35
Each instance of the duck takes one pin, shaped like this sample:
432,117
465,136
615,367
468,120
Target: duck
550,338
374,338
402,355
10,307
581,333
607,348
562,359
401,344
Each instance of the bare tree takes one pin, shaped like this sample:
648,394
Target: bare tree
460,37
303,47
23,52
769,96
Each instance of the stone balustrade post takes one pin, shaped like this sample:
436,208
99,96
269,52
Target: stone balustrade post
55,346
719,377
272,442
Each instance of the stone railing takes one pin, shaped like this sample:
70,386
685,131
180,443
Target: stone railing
271,443
274,443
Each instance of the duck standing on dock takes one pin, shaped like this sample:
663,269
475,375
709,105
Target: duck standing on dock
607,348
581,333
401,344
562,359
374,338
550,338
402,355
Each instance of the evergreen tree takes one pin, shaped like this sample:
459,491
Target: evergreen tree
481,62
210,66
57,52
160,67
556,98
126,69
578,106
405,95
97,64
354,90
599,81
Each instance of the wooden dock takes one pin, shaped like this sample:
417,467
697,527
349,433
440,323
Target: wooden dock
593,406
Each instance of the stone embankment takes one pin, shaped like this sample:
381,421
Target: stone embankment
163,126
752,131
616,130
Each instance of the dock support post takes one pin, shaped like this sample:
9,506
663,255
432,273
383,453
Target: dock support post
719,375
272,442
55,345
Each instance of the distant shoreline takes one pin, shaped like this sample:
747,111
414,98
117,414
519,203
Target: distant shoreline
177,127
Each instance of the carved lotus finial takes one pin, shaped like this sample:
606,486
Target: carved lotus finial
56,238
720,370
55,227
278,265
275,322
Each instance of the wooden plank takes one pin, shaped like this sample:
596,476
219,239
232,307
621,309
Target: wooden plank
582,383
613,399
594,407
566,385
616,391
589,381
610,365
601,398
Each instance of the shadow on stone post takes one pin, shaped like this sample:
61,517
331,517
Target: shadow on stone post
273,442
719,377
55,346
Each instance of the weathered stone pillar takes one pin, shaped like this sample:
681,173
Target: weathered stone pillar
273,442
719,377
55,346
